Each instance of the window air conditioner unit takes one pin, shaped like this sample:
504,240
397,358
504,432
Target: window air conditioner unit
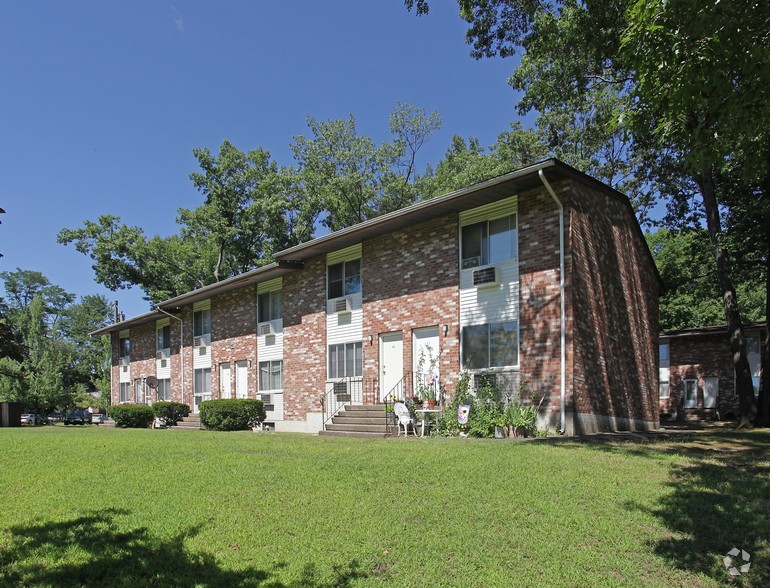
486,277
125,360
340,387
266,329
198,342
158,355
267,402
342,305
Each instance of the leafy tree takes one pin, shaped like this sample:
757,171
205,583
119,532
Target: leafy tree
53,360
348,179
702,88
253,207
239,216
691,79
466,162
686,265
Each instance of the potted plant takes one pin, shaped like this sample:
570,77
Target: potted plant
521,419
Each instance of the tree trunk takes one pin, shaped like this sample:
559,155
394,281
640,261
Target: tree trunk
743,384
763,402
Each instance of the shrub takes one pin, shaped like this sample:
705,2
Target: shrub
170,412
235,414
132,416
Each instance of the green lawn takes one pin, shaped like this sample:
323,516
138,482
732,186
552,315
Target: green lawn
94,506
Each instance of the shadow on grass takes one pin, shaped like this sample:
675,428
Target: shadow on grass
92,551
719,499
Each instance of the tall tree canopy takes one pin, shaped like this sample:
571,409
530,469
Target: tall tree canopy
253,207
688,80
52,360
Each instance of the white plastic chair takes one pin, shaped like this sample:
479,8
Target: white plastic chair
404,418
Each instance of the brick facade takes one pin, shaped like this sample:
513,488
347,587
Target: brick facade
698,356
614,299
540,319
234,337
411,280
304,340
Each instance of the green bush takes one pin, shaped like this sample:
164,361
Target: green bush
132,416
170,412
235,414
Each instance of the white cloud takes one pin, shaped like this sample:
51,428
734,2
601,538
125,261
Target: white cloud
178,22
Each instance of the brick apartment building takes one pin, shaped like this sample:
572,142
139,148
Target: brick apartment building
538,277
697,377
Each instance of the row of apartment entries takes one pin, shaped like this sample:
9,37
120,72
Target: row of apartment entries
488,319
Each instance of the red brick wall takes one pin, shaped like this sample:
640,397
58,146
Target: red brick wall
615,307
411,280
234,336
540,313
304,339
115,369
143,347
698,357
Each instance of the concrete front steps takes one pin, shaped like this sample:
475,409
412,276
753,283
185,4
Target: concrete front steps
192,422
366,420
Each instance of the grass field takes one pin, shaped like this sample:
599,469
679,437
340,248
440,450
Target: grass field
93,506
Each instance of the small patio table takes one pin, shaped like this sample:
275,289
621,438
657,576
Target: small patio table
424,412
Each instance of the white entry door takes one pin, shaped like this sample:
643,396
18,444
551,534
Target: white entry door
242,379
710,392
391,361
225,381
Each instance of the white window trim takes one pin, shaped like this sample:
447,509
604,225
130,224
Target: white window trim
497,368
340,379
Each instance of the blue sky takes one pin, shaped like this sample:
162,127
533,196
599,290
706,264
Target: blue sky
103,102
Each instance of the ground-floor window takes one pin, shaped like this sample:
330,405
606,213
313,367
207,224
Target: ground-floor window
125,391
202,383
346,360
164,389
691,393
491,345
664,389
271,375
139,388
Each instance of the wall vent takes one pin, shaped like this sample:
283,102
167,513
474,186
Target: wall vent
342,305
485,277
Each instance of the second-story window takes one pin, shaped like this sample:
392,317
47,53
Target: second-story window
344,278
489,242
202,325
164,338
124,347
269,306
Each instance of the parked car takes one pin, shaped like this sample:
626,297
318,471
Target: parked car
77,417
55,417
28,419
98,419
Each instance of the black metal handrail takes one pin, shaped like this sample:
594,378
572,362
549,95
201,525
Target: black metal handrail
399,393
341,393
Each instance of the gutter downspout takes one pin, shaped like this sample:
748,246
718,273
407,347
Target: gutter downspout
563,325
181,344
